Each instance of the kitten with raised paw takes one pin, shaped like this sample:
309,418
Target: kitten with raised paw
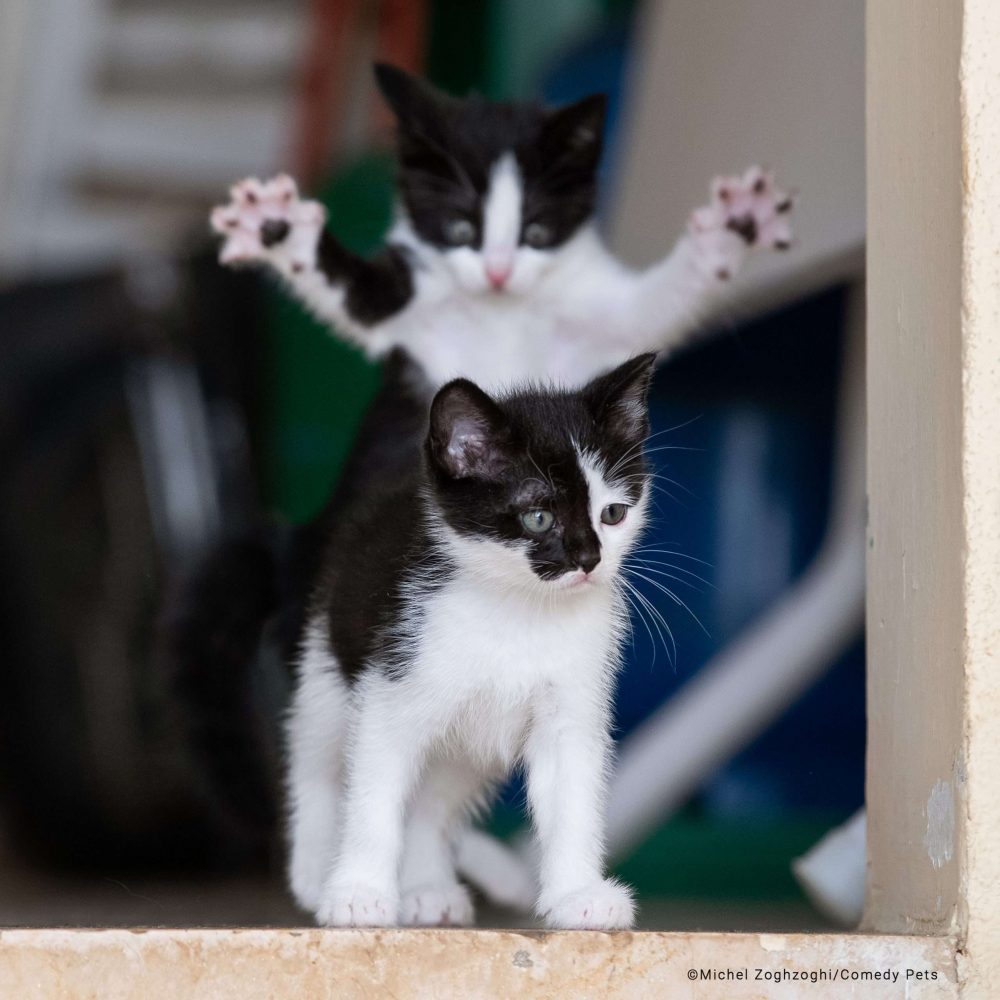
468,621
493,268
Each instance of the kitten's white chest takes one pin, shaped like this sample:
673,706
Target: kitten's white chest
472,642
494,344
556,333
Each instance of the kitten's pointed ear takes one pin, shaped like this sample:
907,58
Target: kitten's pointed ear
618,399
578,128
411,99
468,437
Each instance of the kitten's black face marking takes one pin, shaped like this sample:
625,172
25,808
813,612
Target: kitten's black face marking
448,147
496,465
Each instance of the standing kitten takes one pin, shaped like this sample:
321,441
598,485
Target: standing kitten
494,270
468,620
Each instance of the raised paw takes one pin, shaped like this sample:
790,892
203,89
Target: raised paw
266,220
357,906
604,906
437,906
745,212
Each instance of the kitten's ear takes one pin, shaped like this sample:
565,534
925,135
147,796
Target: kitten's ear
413,101
468,437
618,399
578,128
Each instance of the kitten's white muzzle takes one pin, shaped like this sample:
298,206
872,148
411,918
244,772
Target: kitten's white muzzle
575,579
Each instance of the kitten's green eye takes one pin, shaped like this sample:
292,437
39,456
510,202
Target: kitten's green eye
538,235
459,232
614,513
537,521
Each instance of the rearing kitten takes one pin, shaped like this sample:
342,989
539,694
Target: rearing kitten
493,269
468,620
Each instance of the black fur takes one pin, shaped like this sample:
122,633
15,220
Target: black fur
525,459
447,147
522,456
372,554
260,585
211,632
376,288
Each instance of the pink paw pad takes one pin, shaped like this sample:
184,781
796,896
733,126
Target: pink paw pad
263,218
750,208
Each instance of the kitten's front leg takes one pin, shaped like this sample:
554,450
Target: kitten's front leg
664,305
567,755
383,758
267,222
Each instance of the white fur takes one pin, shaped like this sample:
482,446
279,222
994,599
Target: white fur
318,723
502,215
565,314
503,668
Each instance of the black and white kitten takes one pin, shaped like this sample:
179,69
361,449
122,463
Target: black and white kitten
468,621
493,269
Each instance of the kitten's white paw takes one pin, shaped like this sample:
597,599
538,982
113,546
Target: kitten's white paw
307,874
604,906
745,212
437,906
357,906
266,220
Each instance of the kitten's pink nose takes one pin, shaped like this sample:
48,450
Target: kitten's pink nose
499,275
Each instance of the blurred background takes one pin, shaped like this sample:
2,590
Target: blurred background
153,404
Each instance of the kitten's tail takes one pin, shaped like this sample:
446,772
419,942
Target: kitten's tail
211,638
499,871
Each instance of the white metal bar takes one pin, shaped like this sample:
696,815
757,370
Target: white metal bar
751,682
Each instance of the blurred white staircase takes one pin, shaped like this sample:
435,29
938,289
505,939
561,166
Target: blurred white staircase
120,120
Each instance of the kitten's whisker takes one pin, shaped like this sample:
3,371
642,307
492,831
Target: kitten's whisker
676,569
657,617
670,576
672,552
621,592
638,610
547,480
657,475
642,446
662,489
666,590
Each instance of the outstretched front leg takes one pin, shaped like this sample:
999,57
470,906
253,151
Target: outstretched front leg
267,222
664,304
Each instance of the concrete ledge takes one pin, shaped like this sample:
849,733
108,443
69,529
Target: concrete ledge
254,964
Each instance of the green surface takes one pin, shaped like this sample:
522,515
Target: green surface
696,857
317,387
723,859
458,48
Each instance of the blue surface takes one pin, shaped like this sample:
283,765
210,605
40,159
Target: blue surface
749,418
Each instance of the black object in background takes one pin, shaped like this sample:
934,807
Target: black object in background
125,447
